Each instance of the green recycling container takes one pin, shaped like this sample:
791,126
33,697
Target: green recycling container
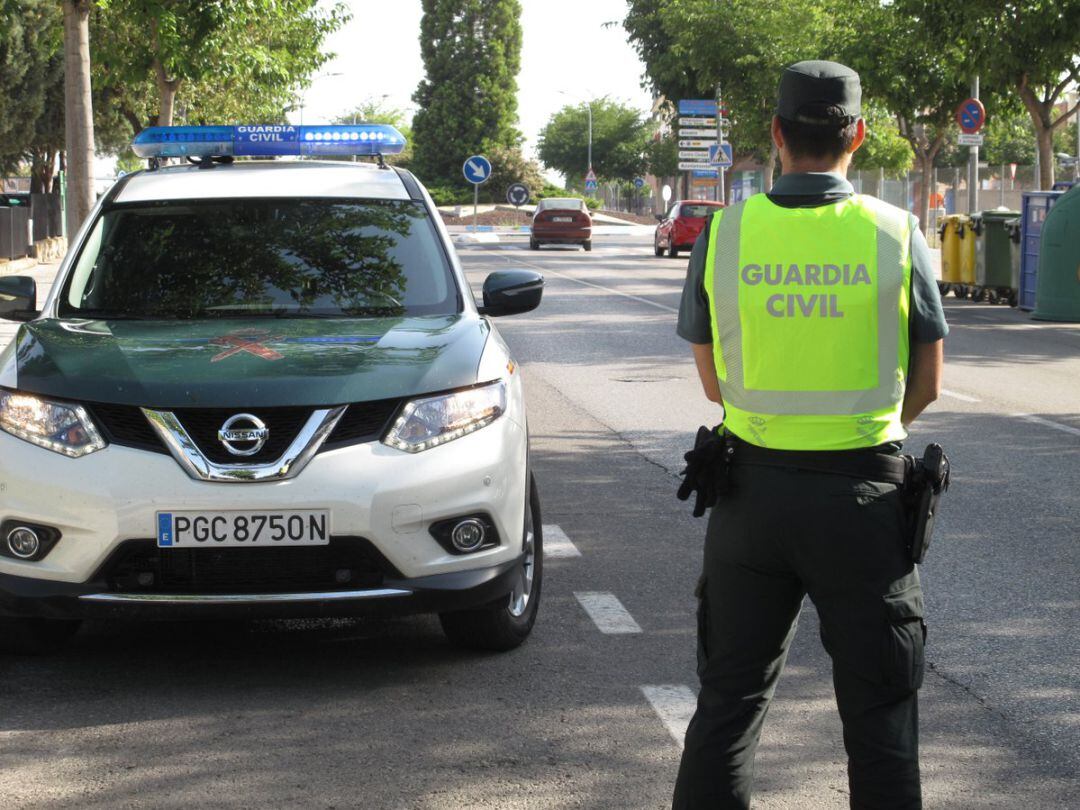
1057,295
993,265
1014,227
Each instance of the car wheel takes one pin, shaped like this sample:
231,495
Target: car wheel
534,245
673,251
505,624
34,636
659,251
587,245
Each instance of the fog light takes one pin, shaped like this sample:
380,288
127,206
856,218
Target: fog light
468,535
23,542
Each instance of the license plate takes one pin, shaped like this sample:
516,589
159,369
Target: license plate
562,219
225,529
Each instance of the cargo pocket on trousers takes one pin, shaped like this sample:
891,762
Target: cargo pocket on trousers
905,657
702,626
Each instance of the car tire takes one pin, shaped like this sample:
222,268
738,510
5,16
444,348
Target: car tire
35,636
673,251
505,624
587,245
659,251
534,245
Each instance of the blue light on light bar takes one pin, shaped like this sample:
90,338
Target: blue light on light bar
269,140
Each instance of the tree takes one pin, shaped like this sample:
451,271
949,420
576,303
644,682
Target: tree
468,99
884,147
235,61
620,137
1031,46
78,113
1010,138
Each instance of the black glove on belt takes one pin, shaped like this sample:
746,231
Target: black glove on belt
706,471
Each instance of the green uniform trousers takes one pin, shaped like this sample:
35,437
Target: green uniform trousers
779,535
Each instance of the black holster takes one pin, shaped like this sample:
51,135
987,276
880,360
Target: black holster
926,481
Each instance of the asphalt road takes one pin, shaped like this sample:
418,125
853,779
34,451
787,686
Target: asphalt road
588,713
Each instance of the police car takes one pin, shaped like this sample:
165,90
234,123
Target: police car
262,388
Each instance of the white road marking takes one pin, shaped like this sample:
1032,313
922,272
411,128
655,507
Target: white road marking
557,544
675,705
961,397
607,612
1038,420
637,298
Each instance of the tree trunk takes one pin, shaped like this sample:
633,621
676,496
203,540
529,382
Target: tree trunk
78,113
1044,137
770,169
922,204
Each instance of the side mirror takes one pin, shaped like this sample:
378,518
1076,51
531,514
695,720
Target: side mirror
18,298
510,292
659,217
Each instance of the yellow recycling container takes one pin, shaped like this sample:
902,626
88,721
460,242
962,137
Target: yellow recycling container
950,230
967,253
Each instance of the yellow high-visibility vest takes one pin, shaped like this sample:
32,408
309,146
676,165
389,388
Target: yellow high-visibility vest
810,311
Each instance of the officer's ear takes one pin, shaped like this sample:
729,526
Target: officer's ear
777,133
860,136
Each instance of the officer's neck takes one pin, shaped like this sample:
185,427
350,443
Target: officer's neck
802,165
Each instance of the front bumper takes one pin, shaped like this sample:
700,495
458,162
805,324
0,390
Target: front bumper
461,590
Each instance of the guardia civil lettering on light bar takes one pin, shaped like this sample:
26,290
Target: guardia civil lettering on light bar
269,140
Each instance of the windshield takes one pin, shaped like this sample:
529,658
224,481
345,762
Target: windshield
261,257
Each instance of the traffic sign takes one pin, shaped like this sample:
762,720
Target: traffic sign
705,174
697,143
969,139
694,154
720,154
477,169
971,116
697,133
639,182
688,165
517,194
697,106
697,122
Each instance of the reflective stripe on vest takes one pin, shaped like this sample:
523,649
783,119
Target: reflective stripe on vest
810,321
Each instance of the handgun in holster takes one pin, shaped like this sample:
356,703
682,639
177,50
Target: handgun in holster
928,479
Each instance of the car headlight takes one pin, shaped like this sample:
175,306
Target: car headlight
431,421
58,426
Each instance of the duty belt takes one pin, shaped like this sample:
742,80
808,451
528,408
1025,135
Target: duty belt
866,465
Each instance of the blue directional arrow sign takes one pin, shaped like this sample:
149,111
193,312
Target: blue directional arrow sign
477,169
720,154
639,182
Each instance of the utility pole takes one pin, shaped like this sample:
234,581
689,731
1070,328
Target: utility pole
973,162
720,189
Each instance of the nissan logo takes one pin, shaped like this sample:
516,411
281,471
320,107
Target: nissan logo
245,430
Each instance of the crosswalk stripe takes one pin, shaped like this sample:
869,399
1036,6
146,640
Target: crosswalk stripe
607,612
675,704
557,544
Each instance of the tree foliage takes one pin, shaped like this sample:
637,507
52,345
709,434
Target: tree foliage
884,147
620,137
468,99
211,61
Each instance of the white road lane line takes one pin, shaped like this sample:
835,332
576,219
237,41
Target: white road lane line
1038,420
961,397
557,544
675,705
637,298
607,612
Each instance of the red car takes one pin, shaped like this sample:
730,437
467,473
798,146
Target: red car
680,226
563,221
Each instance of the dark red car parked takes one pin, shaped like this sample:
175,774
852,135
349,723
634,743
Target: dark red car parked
680,226
562,221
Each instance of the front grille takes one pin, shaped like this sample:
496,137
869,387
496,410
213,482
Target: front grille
347,563
127,426
203,424
363,421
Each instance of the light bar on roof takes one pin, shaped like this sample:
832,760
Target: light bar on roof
271,140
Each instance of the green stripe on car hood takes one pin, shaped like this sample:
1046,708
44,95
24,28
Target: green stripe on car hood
246,362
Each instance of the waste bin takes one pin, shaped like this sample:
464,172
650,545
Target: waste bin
949,230
1015,251
1058,291
967,258
993,268
1035,206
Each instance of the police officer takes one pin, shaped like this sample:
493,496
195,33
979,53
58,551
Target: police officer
816,322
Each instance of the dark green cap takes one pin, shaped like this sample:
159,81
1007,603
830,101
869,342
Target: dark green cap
818,92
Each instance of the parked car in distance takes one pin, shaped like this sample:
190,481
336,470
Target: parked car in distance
680,226
561,221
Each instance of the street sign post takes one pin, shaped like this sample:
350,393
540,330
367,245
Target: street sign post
720,155
639,182
590,180
517,194
704,107
477,170
696,143
971,115
970,139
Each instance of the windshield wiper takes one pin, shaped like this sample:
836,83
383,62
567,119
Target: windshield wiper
110,315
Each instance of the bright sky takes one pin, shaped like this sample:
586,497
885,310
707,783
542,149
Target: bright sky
565,46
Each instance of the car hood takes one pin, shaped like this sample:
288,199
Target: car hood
243,362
